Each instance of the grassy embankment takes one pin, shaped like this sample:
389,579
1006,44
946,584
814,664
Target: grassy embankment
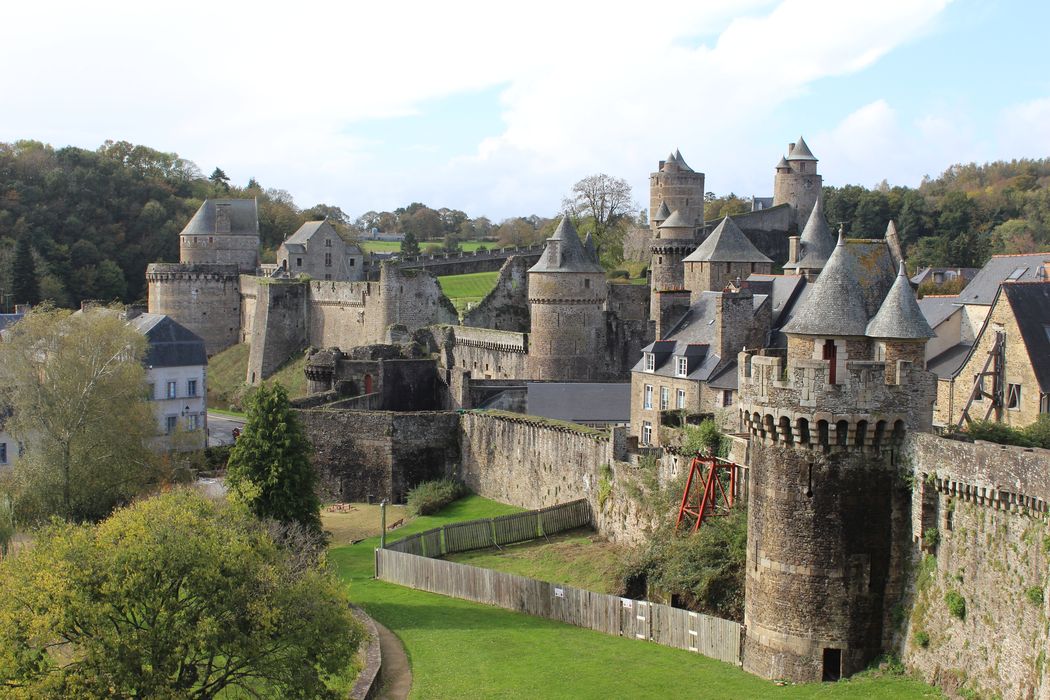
467,289
426,247
462,649
228,369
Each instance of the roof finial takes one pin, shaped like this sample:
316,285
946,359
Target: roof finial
842,233
903,271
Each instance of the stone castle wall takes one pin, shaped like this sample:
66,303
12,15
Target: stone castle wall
279,327
988,506
204,298
506,307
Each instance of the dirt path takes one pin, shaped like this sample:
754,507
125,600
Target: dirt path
397,675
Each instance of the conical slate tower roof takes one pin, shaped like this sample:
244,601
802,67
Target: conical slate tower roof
590,248
801,151
681,161
783,164
565,252
817,241
835,306
900,316
662,213
727,243
675,220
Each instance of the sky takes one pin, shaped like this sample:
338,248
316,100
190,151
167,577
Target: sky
498,108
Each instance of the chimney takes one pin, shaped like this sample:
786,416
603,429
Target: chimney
791,147
793,248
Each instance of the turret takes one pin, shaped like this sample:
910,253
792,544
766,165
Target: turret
223,232
797,182
828,537
725,255
679,187
809,252
567,293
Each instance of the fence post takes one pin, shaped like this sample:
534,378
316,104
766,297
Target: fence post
376,553
382,514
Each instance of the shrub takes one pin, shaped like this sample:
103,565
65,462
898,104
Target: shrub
921,639
956,604
1034,595
619,274
998,432
706,438
431,496
931,538
604,485
1038,433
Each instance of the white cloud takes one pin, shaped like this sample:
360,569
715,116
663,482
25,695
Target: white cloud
275,90
1024,129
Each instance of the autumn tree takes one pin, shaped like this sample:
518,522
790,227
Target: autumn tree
174,597
269,467
602,205
77,388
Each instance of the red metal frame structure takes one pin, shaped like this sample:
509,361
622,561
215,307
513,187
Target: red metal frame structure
707,472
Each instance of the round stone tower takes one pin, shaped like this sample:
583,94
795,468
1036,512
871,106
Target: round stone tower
674,240
828,510
677,186
204,298
567,294
223,232
797,182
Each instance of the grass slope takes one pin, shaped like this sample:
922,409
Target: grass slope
470,288
464,650
227,371
428,247
578,558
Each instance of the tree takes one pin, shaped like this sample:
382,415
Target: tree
174,597
269,467
220,179
77,388
602,205
409,244
25,288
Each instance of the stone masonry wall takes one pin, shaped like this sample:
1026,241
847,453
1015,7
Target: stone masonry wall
506,307
988,506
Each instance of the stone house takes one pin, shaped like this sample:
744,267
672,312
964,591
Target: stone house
317,250
1005,374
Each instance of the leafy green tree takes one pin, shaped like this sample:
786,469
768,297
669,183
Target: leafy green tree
174,597
410,244
220,179
76,385
269,467
603,206
25,288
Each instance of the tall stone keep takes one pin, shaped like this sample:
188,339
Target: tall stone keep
797,181
674,240
828,511
202,292
567,295
680,188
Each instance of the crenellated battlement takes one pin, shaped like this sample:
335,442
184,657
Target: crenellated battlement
795,402
172,272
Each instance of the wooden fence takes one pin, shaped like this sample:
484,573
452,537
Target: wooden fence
408,562
491,532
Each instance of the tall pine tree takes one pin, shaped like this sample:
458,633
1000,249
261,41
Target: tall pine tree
25,288
269,466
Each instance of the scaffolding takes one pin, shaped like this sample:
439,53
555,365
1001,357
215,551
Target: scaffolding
988,384
716,485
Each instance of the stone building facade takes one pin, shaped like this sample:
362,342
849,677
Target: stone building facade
318,251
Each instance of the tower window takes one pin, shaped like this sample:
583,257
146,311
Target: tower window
586,283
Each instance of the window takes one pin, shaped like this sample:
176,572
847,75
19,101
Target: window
3,453
191,387
586,283
353,261
1013,396
328,243
647,433
193,422
173,390
327,259
648,397
682,366
680,399
170,422
650,362
665,398
727,398
328,276
880,352
298,262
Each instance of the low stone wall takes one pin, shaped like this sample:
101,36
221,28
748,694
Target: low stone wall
369,680
979,527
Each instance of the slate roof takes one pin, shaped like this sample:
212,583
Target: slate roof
783,164
662,213
244,218
817,241
682,165
927,273
947,364
983,288
785,291
1030,303
590,249
565,252
580,402
727,243
899,317
675,220
170,344
938,308
801,151
848,292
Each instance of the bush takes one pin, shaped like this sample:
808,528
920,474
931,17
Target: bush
1038,433
956,604
431,496
997,432
706,438
921,638
1034,595
619,274
931,538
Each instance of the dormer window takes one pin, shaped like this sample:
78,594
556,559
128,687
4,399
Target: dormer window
681,367
650,362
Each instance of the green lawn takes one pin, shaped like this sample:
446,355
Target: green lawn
470,288
578,558
426,247
381,246
228,370
464,650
